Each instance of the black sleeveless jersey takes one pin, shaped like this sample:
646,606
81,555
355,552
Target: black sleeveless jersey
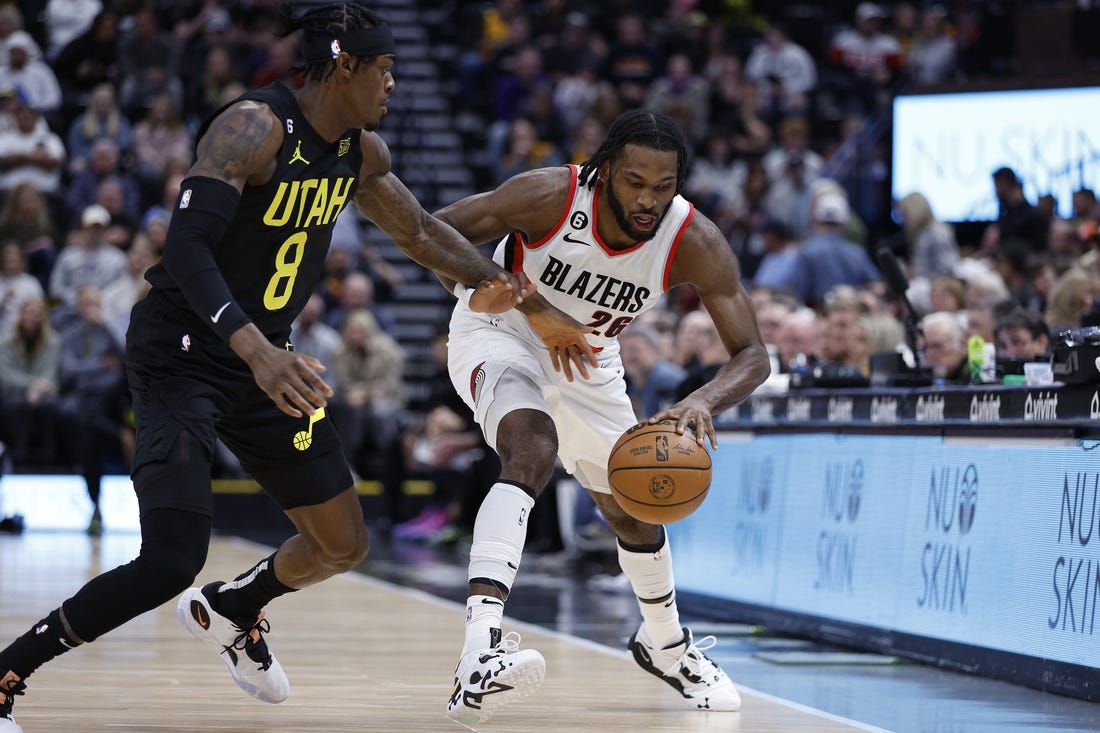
275,247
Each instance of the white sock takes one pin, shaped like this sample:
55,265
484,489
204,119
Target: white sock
650,575
483,614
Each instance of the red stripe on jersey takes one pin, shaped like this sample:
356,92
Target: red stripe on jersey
676,244
573,174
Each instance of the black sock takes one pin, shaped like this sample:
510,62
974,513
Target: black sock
242,599
44,641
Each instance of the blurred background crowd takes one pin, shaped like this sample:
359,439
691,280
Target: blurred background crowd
787,110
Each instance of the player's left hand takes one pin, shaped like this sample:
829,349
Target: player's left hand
501,292
690,413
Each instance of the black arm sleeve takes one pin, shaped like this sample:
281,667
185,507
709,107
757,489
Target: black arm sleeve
200,220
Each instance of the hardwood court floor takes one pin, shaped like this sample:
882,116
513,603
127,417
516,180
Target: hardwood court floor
362,655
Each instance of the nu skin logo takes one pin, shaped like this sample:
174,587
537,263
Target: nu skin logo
945,559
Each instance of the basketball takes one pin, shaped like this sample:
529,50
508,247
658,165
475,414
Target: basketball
657,475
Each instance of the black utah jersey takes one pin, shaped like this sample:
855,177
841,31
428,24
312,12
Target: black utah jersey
274,250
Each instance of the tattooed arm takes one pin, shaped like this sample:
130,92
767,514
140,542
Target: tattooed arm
238,149
385,200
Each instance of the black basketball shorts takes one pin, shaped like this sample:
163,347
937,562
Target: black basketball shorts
188,389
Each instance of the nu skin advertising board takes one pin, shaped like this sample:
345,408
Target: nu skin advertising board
993,546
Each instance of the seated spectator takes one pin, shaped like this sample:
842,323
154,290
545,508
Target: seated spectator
1023,334
943,348
89,60
798,339
827,259
356,292
88,259
160,137
980,320
843,308
103,119
368,367
776,270
784,73
874,333
16,285
27,71
1073,295
712,356
682,95
25,219
715,178
120,295
932,247
104,162
30,153
89,376
651,380
932,57
147,64
633,61
111,195
524,152
29,360
310,335
864,62
689,334
65,20
947,293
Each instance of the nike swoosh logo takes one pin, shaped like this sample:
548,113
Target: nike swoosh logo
221,310
568,238
492,602
199,613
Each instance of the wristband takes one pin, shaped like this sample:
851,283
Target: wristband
463,293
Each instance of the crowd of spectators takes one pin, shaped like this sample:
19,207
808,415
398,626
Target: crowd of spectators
785,116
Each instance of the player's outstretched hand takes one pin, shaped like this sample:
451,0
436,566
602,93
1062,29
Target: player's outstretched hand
501,292
292,381
564,337
690,413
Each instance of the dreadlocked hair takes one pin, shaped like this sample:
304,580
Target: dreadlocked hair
638,127
323,19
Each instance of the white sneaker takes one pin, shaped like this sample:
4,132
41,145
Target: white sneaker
487,680
684,666
244,651
10,686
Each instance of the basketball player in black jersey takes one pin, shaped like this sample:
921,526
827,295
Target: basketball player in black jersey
208,351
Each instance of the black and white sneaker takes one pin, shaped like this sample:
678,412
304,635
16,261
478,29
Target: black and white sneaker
243,648
684,666
487,680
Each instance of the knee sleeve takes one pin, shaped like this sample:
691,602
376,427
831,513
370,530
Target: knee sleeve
174,545
500,532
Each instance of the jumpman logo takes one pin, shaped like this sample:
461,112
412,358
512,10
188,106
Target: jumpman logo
298,154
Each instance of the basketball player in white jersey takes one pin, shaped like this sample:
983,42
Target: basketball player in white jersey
602,243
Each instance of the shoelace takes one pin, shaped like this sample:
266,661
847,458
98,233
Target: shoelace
698,663
509,643
254,635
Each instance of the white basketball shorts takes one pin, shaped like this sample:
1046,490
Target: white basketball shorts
590,414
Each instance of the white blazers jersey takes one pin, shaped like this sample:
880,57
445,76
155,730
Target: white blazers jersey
578,273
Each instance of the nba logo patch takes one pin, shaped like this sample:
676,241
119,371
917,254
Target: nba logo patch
185,199
335,47
185,343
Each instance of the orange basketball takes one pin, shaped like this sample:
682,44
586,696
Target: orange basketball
657,475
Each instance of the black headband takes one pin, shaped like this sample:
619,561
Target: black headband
376,41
